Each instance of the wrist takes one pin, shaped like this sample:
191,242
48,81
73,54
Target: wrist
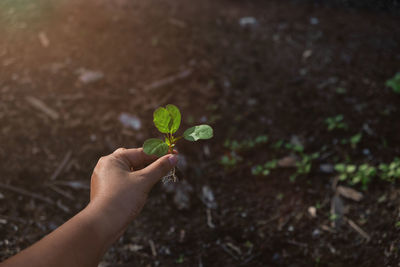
103,224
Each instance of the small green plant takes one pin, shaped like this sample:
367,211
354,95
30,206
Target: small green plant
354,175
235,145
181,259
341,91
294,147
394,83
230,159
167,120
353,141
264,169
304,165
336,122
390,172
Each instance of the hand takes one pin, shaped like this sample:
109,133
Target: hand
120,184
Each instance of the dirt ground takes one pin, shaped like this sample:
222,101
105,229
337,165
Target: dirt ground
69,69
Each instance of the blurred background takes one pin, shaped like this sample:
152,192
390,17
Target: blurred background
303,97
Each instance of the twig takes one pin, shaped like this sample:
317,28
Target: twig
27,193
71,184
61,192
33,195
358,229
209,218
61,166
168,80
153,248
38,104
229,252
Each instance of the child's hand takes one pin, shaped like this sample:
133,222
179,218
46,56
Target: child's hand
120,184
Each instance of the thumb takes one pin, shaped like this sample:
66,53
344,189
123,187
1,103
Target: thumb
159,168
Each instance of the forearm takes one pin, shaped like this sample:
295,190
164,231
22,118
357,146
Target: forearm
81,241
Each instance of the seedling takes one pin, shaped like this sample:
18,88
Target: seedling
356,174
394,83
304,165
353,141
235,145
390,172
167,120
336,123
231,158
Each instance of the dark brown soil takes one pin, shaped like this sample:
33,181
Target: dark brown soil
276,77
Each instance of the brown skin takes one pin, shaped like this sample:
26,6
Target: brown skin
117,196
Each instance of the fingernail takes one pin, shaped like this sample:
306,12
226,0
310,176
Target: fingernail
173,160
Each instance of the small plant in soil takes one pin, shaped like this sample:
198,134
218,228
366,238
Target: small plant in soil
354,174
394,83
336,123
390,172
167,120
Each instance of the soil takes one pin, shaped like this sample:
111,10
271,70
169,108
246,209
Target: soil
278,76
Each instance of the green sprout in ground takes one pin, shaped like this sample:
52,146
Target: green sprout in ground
354,175
232,158
390,172
167,120
336,123
364,173
303,162
353,141
394,83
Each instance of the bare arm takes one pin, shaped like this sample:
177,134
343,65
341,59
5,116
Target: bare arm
117,196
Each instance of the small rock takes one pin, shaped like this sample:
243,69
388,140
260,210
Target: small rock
251,102
312,211
366,152
349,193
314,21
89,76
133,247
247,21
208,197
326,168
307,53
287,162
130,121
206,150
316,233
44,40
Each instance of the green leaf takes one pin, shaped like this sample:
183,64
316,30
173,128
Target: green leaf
162,119
198,132
394,83
154,146
351,168
340,167
176,118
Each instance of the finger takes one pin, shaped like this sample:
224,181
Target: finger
134,157
155,171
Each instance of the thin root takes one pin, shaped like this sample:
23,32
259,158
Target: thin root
170,177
